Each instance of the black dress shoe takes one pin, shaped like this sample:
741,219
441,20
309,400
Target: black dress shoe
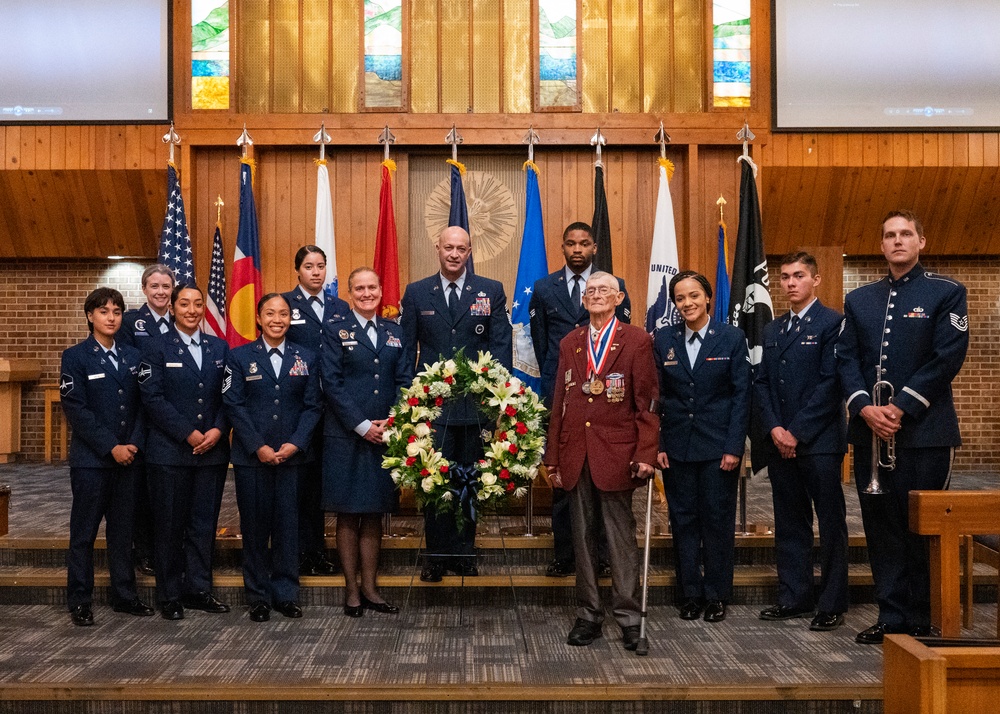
826,621
383,607
260,612
783,612
467,570
205,602
921,631
715,611
875,634
134,607
323,565
583,633
145,566
288,608
356,610
630,637
604,569
691,609
307,566
82,615
560,568
172,610
432,573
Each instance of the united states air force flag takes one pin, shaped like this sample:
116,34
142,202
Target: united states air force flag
663,262
532,266
175,242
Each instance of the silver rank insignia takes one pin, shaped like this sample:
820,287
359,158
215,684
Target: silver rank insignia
671,354
253,368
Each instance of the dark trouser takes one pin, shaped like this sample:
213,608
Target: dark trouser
702,500
899,559
142,530
311,516
615,512
446,542
186,502
797,485
267,497
108,494
562,528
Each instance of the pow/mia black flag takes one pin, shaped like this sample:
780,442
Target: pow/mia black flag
600,226
750,306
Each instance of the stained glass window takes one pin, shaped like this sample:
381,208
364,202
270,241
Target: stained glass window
557,73
383,53
209,54
731,52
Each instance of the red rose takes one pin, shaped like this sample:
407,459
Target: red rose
510,486
506,384
502,436
390,421
439,401
413,401
521,428
485,370
444,468
513,448
426,389
510,410
425,472
521,390
411,438
504,474
410,460
449,380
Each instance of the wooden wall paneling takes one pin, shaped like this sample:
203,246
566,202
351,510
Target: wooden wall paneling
302,209
72,148
28,147
991,149
965,230
12,148
4,159
840,150
132,147
13,210
359,252
975,235
969,178
117,154
975,149
692,199
631,240
343,207
401,206
960,155
45,146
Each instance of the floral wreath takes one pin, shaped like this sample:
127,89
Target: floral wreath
513,449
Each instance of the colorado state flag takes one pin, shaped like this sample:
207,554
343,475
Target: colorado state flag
247,284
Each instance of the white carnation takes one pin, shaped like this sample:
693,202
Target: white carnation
427,484
421,430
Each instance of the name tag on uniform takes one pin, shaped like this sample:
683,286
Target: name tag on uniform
393,342
670,363
174,364
99,375
253,377
426,312
298,322
349,343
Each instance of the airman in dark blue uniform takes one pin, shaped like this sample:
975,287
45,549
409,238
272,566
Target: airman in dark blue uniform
705,408
312,311
150,320
441,314
272,397
100,396
555,309
798,395
911,329
363,371
187,450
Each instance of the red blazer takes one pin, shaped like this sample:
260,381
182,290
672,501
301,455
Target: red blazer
608,432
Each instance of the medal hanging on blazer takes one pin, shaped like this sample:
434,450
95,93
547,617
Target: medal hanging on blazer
597,355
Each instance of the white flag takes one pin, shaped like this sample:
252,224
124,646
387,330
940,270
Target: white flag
325,238
663,262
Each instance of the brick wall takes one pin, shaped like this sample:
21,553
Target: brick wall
975,387
41,313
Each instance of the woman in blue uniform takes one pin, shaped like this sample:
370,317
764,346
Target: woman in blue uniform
150,320
705,401
272,397
100,396
312,311
187,453
363,371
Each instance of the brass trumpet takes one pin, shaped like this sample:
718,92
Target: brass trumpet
882,394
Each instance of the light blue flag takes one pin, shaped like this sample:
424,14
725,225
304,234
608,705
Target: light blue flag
532,266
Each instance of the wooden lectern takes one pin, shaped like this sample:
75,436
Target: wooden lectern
12,373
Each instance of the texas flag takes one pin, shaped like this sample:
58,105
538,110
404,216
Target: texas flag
247,284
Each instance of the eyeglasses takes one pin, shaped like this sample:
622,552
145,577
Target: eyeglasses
599,290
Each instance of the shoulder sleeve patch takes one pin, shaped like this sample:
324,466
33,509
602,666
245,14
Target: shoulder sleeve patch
959,323
145,371
227,381
65,385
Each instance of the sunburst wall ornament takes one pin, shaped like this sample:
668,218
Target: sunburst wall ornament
492,212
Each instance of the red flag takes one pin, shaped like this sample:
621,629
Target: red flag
386,250
247,284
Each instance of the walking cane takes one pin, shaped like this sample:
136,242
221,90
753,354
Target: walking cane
642,648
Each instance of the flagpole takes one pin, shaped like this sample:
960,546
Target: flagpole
322,138
597,141
387,139
453,138
746,136
172,139
245,142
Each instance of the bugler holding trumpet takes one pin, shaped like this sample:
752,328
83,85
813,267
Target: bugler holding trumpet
911,330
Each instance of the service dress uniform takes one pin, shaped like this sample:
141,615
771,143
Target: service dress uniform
185,488
705,413
797,389
311,317
361,383
555,309
437,322
141,323
269,407
101,401
912,332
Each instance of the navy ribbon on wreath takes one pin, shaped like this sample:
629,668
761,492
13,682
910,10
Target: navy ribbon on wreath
462,481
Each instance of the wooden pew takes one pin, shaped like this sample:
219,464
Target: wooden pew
945,517
939,680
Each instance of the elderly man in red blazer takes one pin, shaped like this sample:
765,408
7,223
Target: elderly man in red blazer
602,443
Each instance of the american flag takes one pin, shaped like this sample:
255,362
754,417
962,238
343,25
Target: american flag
175,243
215,311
